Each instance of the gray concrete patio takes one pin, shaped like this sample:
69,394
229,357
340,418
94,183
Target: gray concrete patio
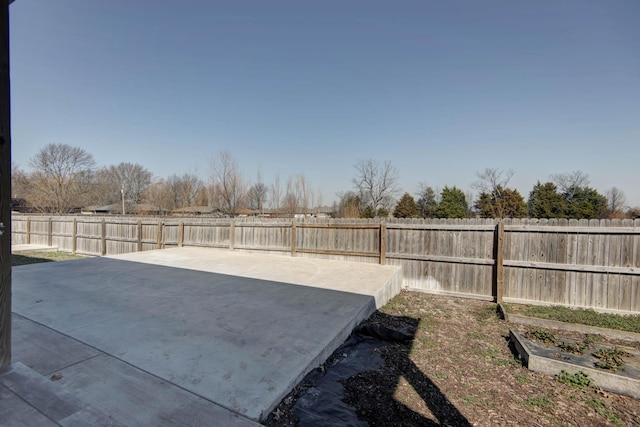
177,337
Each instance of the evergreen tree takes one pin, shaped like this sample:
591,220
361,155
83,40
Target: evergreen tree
546,202
501,203
406,207
427,203
368,212
453,204
587,203
484,206
383,213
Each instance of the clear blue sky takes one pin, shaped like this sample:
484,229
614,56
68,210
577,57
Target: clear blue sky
443,89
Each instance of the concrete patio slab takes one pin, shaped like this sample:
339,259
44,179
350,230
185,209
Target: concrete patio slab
382,282
16,412
237,343
90,384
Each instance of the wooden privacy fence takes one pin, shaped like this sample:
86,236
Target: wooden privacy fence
574,263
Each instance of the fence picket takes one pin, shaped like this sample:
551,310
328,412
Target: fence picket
576,263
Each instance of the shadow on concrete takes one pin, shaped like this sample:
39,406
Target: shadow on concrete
17,260
373,393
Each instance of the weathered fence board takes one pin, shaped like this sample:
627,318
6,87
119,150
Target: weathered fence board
575,263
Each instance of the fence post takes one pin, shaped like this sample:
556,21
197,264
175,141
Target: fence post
28,230
74,244
50,232
180,234
232,234
139,235
383,242
103,236
293,237
159,235
499,262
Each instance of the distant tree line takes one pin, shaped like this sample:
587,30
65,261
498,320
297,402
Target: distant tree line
566,195
61,179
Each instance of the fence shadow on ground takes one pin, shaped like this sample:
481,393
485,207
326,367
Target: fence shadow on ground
376,395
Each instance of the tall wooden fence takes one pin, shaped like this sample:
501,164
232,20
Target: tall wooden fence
574,263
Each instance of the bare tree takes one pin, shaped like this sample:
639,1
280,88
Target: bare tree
491,180
202,199
257,194
299,195
304,193
617,202
228,183
319,200
184,189
570,183
290,202
112,181
377,183
276,193
160,195
350,205
19,182
214,196
60,178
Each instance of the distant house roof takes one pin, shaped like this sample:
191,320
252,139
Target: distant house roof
146,208
115,208
321,210
248,212
195,210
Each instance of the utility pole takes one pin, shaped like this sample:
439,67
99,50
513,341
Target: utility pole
5,188
122,191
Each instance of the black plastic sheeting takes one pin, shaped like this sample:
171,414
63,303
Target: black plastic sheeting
321,404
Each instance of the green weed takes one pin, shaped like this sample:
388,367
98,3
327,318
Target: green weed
522,378
574,348
540,401
427,342
589,317
477,336
486,312
506,362
610,359
603,409
543,336
441,375
474,400
577,380
491,353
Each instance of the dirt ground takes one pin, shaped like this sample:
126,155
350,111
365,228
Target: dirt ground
459,370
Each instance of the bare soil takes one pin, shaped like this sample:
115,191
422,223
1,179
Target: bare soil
459,369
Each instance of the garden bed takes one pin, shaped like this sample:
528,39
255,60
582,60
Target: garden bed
611,364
